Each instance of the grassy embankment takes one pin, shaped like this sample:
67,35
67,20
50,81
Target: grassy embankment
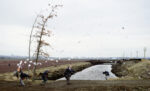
132,70
55,71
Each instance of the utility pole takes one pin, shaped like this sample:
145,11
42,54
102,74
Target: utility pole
123,55
137,54
130,54
145,49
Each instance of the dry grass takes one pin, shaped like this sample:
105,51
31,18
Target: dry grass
136,71
140,69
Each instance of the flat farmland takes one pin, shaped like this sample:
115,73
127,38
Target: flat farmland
11,65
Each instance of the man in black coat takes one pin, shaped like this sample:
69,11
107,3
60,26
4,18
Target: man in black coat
44,76
68,72
22,77
106,73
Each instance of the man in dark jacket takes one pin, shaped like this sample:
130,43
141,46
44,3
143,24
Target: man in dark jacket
106,73
22,77
44,76
68,72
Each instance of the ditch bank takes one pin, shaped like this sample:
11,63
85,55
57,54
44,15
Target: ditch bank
56,71
132,69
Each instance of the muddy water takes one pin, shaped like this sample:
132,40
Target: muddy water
93,73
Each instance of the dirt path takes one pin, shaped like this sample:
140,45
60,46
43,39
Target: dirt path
78,85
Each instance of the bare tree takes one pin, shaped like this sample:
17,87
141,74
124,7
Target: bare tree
41,31
30,39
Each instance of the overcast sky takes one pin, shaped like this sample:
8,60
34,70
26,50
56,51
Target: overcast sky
83,28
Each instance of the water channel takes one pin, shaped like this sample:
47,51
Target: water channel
93,73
